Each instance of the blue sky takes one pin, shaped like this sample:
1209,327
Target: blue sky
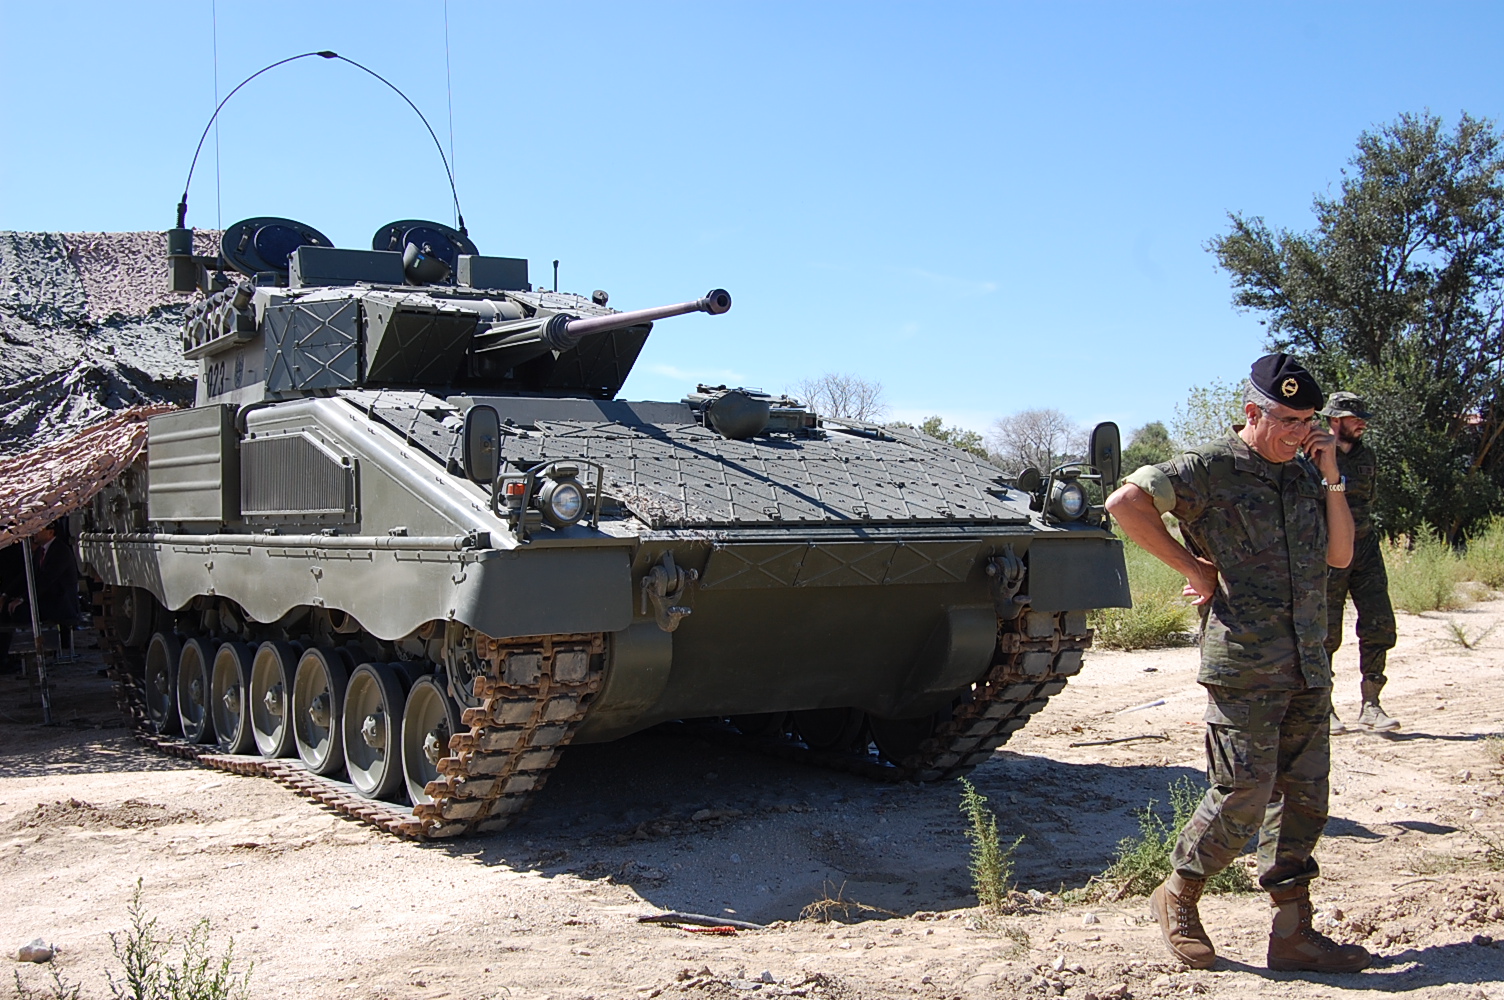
985,207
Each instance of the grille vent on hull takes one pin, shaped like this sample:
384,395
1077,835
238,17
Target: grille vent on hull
294,477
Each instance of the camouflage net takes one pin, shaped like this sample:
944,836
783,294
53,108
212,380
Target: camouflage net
46,483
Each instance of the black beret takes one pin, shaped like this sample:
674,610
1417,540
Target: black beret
1286,381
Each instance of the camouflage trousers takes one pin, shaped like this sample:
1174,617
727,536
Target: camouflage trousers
1366,581
1267,758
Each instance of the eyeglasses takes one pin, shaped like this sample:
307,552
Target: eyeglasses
1291,423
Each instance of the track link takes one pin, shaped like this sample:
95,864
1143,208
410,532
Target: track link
533,694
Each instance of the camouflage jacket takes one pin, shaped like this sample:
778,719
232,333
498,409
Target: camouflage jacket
1264,527
1362,473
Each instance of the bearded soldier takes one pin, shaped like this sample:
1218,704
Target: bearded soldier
1261,523
1364,579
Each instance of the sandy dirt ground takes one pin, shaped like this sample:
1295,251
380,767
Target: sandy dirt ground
550,907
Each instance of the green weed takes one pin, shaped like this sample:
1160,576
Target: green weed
1459,634
991,862
147,974
58,989
1424,577
1493,849
1143,862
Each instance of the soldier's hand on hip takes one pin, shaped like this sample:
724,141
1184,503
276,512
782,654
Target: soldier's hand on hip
1203,585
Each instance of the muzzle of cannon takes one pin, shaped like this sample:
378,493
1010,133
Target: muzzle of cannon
511,343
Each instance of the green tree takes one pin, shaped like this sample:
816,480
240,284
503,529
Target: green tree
1150,445
1210,412
958,436
1397,294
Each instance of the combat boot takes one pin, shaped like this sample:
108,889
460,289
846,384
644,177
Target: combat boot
1337,726
1296,946
1174,906
1373,715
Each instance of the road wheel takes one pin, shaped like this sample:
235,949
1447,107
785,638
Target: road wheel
829,728
372,730
229,682
761,724
429,718
270,702
899,739
318,695
193,691
162,655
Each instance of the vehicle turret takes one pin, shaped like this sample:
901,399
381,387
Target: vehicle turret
285,313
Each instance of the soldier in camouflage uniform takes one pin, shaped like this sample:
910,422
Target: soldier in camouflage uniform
1261,523
1365,578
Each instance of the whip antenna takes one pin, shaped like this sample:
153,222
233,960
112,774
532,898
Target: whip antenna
449,87
323,54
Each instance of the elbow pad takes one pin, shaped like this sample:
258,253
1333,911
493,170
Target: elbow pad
1153,481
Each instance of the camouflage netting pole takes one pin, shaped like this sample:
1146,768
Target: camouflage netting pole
39,486
36,630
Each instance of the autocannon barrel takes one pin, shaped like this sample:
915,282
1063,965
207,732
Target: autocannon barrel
715,302
560,332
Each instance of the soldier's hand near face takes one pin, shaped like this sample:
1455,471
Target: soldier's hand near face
1321,447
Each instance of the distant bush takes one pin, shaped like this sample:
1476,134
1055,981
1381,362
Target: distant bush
1424,576
1483,560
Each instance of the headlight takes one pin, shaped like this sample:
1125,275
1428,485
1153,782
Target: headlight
562,502
1067,500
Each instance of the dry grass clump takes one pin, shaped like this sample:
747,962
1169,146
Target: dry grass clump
839,908
1426,574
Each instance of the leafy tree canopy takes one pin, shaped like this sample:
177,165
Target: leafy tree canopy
1397,294
958,436
1210,411
1150,445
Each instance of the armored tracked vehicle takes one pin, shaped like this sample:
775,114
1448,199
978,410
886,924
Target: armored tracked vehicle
408,544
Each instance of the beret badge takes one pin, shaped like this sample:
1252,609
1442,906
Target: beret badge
1289,387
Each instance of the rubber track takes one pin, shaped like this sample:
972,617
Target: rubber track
534,694
1030,665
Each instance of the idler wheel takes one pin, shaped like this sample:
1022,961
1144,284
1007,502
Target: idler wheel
829,728
193,691
429,718
229,685
372,730
270,702
162,655
318,696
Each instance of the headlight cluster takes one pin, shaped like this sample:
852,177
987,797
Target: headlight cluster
1067,499
561,499
549,494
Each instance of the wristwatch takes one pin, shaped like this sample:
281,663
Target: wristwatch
1340,486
